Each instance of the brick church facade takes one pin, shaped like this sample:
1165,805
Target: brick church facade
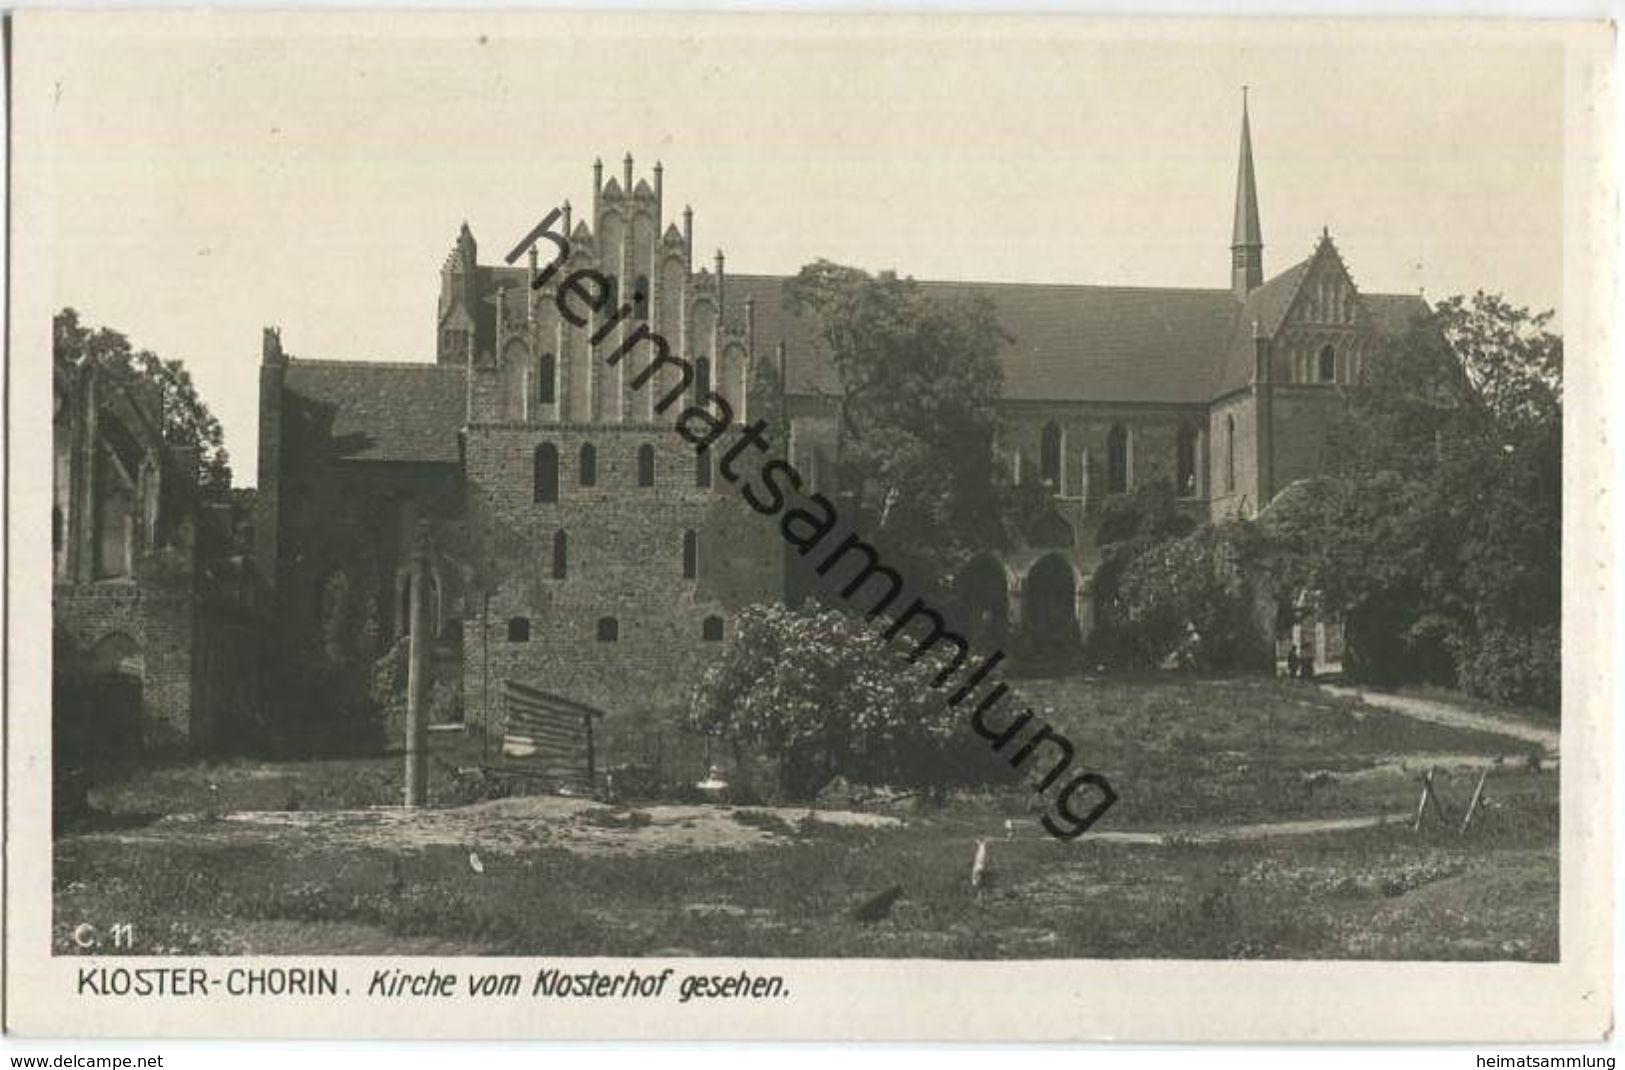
578,545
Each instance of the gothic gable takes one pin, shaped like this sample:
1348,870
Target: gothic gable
1326,328
1326,295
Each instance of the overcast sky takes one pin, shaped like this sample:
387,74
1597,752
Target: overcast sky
253,171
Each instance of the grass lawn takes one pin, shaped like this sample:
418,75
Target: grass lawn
1184,753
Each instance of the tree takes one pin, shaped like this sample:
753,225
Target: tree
1132,525
1193,597
1439,533
187,421
916,412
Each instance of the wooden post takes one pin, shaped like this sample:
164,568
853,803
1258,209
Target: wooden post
1478,795
592,770
1438,803
1422,804
417,680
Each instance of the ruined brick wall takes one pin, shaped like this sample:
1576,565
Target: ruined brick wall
159,620
347,531
226,673
624,561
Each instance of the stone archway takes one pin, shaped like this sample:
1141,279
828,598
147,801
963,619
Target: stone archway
1050,623
115,670
984,600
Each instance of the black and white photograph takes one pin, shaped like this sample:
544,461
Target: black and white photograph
643,501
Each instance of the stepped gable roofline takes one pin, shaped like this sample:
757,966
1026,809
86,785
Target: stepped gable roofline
381,411
1266,308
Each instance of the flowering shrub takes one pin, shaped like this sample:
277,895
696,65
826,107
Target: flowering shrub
821,693
1192,598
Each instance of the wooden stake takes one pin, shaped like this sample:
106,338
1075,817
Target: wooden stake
1438,802
1422,803
1478,795
417,679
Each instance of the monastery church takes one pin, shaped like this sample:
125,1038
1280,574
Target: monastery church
576,543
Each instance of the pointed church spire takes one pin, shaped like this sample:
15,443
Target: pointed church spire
1247,242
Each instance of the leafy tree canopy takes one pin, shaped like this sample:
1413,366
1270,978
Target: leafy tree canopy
1439,531
919,381
187,421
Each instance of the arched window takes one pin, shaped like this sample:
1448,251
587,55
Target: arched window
702,377
519,630
711,630
546,380
1230,453
646,466
691,555
1185,461
702,468
547,472
1049,457
609,630
589,465
1328,364
1117,459
561,554
612,297
640,298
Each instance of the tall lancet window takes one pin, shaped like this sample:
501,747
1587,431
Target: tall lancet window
1049,458
547,379
561,554
1328,364
1117,459
547,472
646,465
1230,453
691,554
589,465
1185,460
640,298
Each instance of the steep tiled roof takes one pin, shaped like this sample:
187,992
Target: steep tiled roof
1087,343
1392,314
1071,343
375,411
1266,307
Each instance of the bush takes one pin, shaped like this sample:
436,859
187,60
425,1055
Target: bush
821,694
1188,599
1517,668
